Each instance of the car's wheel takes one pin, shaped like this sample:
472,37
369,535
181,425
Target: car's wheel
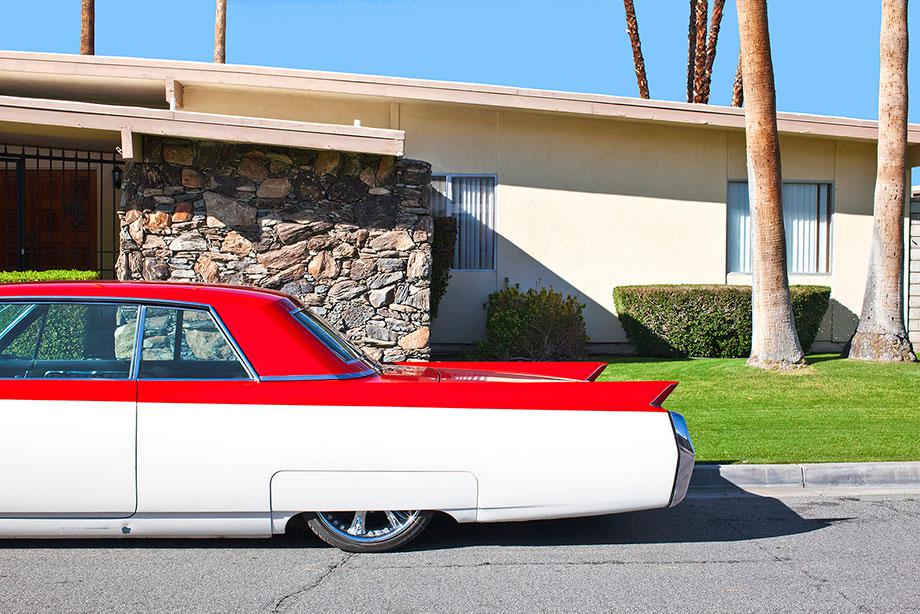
369,531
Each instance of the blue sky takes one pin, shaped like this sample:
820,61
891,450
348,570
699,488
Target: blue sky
825,51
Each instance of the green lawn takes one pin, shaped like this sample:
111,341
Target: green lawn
835,410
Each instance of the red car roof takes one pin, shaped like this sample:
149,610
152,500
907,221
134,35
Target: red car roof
258,319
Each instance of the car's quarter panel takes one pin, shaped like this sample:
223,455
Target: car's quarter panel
67,448
207,448
292,492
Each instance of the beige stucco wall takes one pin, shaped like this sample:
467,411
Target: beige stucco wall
585,204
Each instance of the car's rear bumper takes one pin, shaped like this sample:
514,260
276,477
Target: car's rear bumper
685,459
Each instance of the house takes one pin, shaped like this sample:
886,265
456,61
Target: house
318,183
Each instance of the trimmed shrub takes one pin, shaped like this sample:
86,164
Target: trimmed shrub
442,258
15,277
706,321
538,324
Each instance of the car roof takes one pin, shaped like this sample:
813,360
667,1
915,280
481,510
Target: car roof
211,294
275,343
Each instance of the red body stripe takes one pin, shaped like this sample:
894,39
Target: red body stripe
366,392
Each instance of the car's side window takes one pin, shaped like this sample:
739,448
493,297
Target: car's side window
67,340
186,344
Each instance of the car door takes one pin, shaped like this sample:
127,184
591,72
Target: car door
68,411
195,454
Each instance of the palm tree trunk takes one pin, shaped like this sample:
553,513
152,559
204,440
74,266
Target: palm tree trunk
714,25
738,86
881,334
88,27
774,342
220,33
699,64
632,28
691,50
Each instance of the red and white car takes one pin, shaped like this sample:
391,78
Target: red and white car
168,410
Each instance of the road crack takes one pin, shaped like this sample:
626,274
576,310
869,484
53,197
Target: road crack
818,582
292,597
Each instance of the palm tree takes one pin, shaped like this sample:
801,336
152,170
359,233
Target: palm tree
699,62
714,24
774,342
691,50
632,28
738,86
220,33
88,27
881,334
701,49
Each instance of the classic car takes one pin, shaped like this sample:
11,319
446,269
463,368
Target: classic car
172,410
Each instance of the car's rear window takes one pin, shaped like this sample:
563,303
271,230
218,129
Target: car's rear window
331,338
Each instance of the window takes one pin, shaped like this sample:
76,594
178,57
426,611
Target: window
470,199
186,344
67,340
329,337
806,216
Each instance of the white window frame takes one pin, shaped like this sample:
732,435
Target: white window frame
448,177
831,215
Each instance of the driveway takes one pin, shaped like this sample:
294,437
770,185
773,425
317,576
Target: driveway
790,553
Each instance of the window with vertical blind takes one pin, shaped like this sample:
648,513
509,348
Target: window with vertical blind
807,213
470,199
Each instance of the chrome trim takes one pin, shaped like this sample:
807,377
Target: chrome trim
686,458
102,300
138,342
18,318
317,378
318,334
357,531
236,347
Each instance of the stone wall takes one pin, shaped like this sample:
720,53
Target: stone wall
913,279
347,234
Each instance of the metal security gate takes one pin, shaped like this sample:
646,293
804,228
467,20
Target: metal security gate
57,209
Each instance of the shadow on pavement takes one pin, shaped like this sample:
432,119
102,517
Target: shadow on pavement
724,515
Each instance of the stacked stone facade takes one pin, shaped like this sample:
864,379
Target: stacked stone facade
348,234
913,280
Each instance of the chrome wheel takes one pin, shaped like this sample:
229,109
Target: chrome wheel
365,527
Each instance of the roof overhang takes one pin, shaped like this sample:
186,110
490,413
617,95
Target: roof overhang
130,121
140,78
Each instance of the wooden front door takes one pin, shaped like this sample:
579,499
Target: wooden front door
60,224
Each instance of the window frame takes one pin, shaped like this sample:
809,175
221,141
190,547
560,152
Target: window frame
142,305
32,302
831,215
494,176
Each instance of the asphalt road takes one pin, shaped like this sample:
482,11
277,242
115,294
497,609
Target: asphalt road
855,553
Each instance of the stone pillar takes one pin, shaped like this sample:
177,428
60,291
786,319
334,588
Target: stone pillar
347,234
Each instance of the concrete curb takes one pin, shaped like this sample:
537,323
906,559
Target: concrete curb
806,475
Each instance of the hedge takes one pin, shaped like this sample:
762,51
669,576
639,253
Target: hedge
706,321
442,258
14,277
539,324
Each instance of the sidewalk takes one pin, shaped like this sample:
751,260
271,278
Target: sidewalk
806,475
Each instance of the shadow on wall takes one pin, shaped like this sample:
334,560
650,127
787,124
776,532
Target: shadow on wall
462,315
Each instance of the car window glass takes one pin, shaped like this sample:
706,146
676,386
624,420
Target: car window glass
68,341
329,337
186,344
